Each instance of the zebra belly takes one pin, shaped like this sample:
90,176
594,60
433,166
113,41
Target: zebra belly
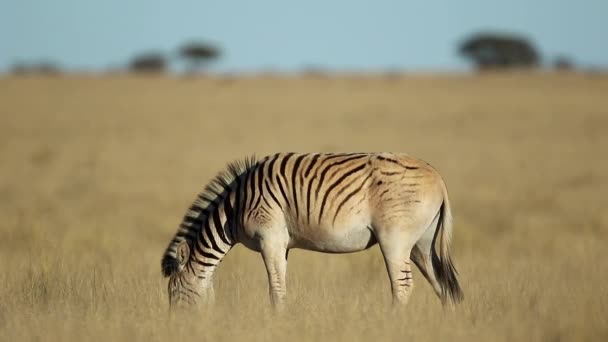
332,240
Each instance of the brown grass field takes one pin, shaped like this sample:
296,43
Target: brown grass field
96,173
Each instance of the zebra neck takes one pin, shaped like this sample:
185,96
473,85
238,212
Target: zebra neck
215,238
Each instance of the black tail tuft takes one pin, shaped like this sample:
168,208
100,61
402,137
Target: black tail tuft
446,275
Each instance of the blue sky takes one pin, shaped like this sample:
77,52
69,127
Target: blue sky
288,35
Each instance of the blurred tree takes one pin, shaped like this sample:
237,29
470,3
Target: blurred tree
38,68
494,51
148,63
198,54
20,69
314,71
563,63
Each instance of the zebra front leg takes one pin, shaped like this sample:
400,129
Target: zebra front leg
275,259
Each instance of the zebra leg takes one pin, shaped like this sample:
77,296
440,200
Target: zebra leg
275,259
421,255
397,259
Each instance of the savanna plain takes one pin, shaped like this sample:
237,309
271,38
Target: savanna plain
96,173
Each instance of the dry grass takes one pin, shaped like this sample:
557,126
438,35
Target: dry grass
95,175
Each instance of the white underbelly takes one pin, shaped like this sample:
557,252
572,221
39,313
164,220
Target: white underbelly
332,240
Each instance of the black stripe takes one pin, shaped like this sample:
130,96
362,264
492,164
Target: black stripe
186,281
270,176
213,202
398,204
384,192
331,187
252,193
312,163
197,208
265,211
205,254
202,263
308,198
257,202
264,199
274,198
255,192
243,201
182,232
210,190
278,179
212,239
302,183
189,266
398,163
388,159
347,185
260,187
217,222
193,220
229,212
284,164
245,194
271,165
188,299
203,241
236,214
294,173
192,291
209,255
324,172
261,174
351,194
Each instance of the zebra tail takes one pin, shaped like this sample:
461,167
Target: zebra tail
443,266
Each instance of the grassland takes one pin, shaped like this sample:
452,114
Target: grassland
95,174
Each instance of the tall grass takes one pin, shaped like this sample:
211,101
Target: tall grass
96,173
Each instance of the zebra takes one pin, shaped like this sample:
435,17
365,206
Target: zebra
324,202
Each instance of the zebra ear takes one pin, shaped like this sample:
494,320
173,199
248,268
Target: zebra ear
183,254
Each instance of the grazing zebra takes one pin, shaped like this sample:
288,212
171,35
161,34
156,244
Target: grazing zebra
325,202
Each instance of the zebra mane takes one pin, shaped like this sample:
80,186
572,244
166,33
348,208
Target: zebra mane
203,205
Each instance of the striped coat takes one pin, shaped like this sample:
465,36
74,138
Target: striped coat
325,202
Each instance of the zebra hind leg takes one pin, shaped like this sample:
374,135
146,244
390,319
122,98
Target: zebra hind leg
397,259
421,255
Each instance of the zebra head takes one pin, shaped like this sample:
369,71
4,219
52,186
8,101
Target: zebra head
183,287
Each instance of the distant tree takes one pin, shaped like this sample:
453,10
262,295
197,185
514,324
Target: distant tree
198,54
37,68
563,63
148,63
314,71
495,51
20,69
